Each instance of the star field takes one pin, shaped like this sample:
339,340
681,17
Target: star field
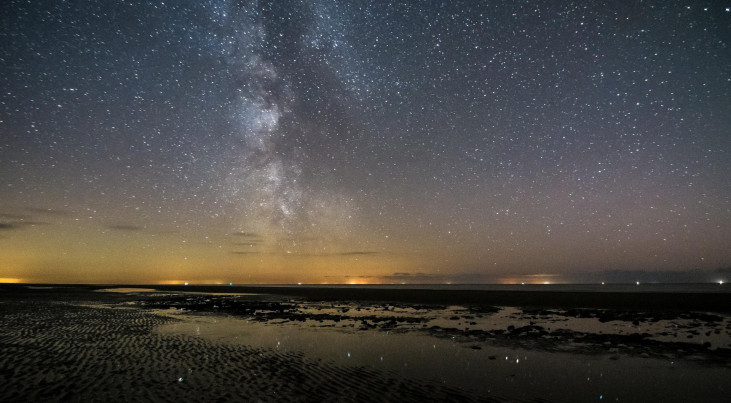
317,141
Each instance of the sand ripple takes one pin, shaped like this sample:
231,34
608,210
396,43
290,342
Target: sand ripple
67,352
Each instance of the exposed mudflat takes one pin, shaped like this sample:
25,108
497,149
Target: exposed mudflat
58,351
76,344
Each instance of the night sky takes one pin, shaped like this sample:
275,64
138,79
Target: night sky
362,142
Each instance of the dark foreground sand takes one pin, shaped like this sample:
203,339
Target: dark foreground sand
75,344
56,351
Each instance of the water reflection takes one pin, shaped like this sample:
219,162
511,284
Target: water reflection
458,346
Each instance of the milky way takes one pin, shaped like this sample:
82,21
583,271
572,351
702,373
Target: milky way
363,141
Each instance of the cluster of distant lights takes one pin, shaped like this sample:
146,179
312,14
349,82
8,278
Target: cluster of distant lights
231,284
186,283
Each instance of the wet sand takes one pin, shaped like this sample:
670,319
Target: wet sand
68,351
77,344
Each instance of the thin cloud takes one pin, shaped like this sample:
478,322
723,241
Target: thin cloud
47,211
246,234
251,242
244,253
11,216
352,253
355,253
9,226
300,240
413,277
125,227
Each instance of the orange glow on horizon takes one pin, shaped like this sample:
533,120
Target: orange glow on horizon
542,279
171,282
10,280
197,282
358,282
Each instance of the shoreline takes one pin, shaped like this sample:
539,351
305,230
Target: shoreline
638,300
671,301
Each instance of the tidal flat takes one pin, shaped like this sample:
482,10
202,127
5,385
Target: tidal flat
85,343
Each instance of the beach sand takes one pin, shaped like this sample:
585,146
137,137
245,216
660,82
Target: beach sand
77,344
